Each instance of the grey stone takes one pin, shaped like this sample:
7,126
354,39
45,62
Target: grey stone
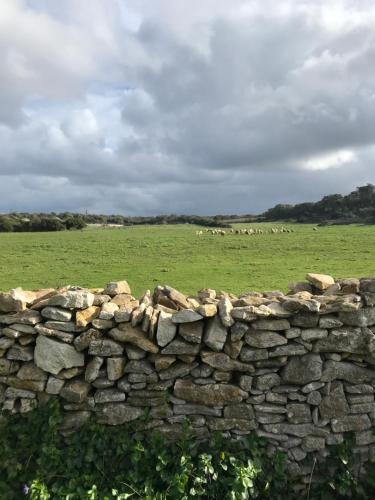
361,317
267,381
82,342
65,337
178,369
53,356
293,333
298,430
346,371
166,330
223,362
196,409
226,424
178,346
215,334
56,313
362,408
250,354
238,330
20,353
214,394
109,396
133,335
313,443
29,371
302,370
93,368
298,413
186,316
54,385
245,382
263,339
311,334
351,423
334,404
77,299
271,324
138,366
117,413
192,332
305,319
329,321
75,391
105,347
115,368
346,339
314,398
292,349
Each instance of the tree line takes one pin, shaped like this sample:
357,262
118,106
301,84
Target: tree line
356,207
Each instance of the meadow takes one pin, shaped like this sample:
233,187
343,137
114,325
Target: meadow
151,255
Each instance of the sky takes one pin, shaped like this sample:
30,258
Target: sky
145,107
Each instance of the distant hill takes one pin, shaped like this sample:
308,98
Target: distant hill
356,207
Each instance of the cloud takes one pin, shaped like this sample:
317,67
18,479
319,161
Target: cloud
184,107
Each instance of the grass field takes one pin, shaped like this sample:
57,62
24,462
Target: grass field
150,255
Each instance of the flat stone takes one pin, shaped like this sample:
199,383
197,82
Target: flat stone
311,334
298,430
75,391
62,326
103,324
362,317
363,408
249,354
77,299
267,381
65,337
271,324
85,316
178,369
215,334
56,313
330,322
12,393
26,317
105,347
133,335
238,330
244,313
313,443
346,371
302,370
298,413
109,396
108,310
320,281
138,366
117,413
305,319
227,424
314,398
195,409
186,316
166,330
245,382
178,347
291,349
177,297
29,371
82,342
29,385
223,362
359,389
20,353
123,315
264,338
52,356
117,287
212,395
270,408
346,339
350,423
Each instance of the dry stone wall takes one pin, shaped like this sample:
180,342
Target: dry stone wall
297,369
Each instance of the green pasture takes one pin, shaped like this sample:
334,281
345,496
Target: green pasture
174,255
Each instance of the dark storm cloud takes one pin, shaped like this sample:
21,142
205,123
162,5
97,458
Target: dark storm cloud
186,108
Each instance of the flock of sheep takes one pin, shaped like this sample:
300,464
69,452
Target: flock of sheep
251,231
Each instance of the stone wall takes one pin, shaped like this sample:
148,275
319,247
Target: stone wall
297,369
